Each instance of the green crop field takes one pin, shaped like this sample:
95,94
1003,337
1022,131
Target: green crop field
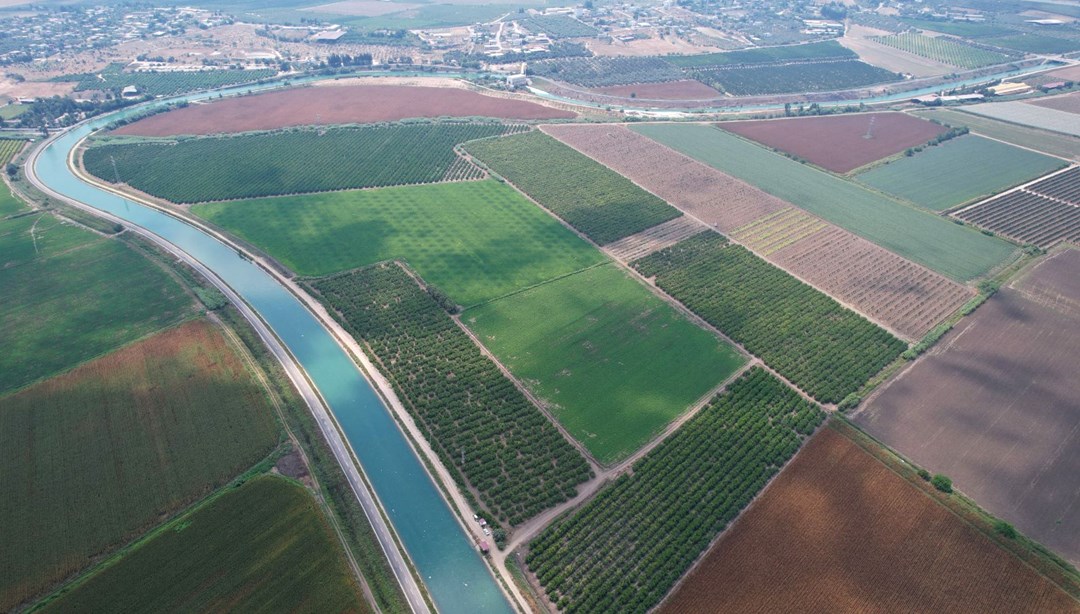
473,240
167,83
809,338
558,26
614,363
764,55
799,77
1052,143
262,546
963,29
945,176
955,251
9,205
11,111
287,162
484,429
96,456
1035,43
8,149
607,70
624,550
602,204
942,49
62,304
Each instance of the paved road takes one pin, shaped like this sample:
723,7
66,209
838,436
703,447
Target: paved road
318,408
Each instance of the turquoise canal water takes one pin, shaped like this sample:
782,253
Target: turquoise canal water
455,575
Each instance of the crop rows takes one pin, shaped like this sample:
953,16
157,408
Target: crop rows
289,162
8,149
809,338
1065,186
625,549
463,170
600,203
777,231
1027,217
655,239
817,76
481,425
765,55
942,49
168,83
558,26
603,70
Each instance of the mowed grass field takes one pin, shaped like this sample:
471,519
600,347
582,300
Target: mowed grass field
958,171
474,240
62,304
955,251
262,546
98,455
614,363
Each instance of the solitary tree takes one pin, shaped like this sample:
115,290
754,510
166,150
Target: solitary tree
941,483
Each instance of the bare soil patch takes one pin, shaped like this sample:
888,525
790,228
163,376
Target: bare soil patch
838,531
840,143
857,38
350,104
687,89
1069,102
996,406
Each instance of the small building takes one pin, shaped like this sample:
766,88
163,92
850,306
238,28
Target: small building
1009,89
484,547
518,80
1054,85
327,36
129,92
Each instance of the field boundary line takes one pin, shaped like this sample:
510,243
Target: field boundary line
964,207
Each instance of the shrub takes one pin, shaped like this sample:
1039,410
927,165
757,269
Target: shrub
1004,529
924,474
942,483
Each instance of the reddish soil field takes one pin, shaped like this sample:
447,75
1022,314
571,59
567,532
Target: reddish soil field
688,89
1069,103
838,531
995,405
838,142
334,104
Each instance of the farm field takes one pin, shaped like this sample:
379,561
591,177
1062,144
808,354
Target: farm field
877,282
265,544
809,338
822,76
8,149
165,83
9,204
954,251
1001,387
290,162
601,204
1034,43
942,176
601,71
1053,143
558,26
613,363
333,104
687,89
1063,186
1028,115
943,49
765,55
1070,103
623,550
911,552
11,111
96,456
496,443
475,241
839,143
63,307
654,239
1043,213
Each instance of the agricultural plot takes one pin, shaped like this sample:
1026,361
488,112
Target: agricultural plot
11,111
1061,145
475,241
764,55
1026,217
1034,43
334,104
654,239
613,363
264,544
954,251
1025,114
1001,387
290,162
558,26
1063,186
484,429
686,89
943,49
806,336
62,305
1070,103
8,149
166,83
607,70
819,76
623,550
839,143
601,204
694,188
94,457
910,553
9,205
943,176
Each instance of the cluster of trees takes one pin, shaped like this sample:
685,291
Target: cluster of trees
809,338
63,111
482,426
602,204
948,135
607,70
337,61
625,549
165,83
293,161
816,76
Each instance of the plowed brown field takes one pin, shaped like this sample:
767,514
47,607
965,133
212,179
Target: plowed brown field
840,143
995,406
334,104
838,531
